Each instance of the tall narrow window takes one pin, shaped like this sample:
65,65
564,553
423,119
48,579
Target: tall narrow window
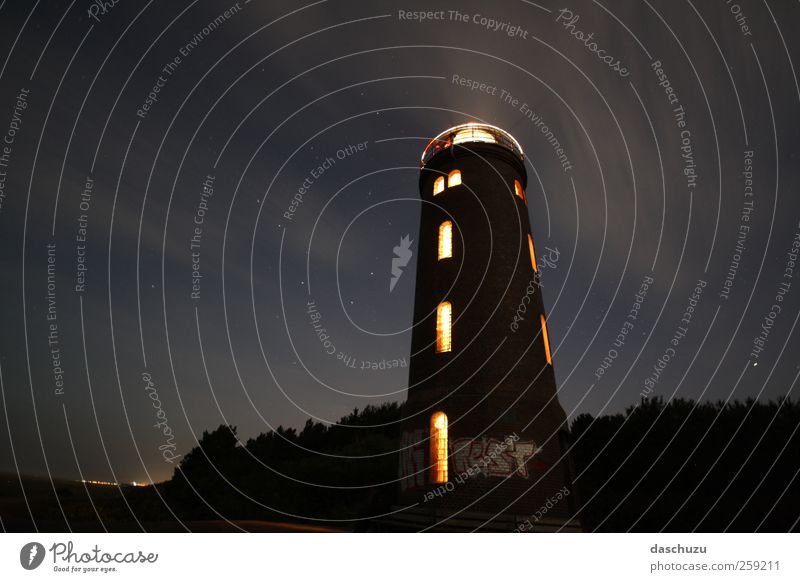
533,254
443,324
519,191
454,178
439,447
438,185
546,339
445,240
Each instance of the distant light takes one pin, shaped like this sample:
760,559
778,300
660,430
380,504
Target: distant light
96,482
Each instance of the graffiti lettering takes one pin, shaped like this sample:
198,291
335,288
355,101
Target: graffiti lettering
495,458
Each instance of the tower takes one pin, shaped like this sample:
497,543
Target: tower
483,430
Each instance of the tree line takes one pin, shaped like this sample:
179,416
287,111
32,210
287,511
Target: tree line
673,466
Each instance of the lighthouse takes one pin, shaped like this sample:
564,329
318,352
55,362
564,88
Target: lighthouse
483,437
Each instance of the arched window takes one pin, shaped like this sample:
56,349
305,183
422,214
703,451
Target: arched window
443,324
445,240
454,178
438,185
439,447
533,254
519,191
546,339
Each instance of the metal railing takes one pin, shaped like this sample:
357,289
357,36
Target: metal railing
470,133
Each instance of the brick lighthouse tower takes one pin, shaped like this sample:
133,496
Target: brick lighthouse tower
483,431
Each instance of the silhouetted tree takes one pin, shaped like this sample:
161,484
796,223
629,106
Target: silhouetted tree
685,466
676,466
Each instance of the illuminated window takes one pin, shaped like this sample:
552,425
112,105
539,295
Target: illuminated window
445,240
438,185
469,134
519,191
443,324
454,178
546,339
533,253
439,447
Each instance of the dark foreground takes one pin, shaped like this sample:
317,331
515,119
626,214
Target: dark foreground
674,467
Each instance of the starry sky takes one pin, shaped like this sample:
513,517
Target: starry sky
183,182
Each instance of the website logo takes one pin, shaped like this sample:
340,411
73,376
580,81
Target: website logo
31,555
402,254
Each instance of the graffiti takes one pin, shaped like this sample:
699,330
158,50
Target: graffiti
497,458
412,459
487,464
468,458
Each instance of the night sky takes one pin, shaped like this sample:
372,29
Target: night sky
178,180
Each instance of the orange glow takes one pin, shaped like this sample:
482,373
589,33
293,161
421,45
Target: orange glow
438,185
445,240
454,178
519,191
443,324
533,254
546,339
439,447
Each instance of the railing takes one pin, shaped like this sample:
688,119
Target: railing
470,133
